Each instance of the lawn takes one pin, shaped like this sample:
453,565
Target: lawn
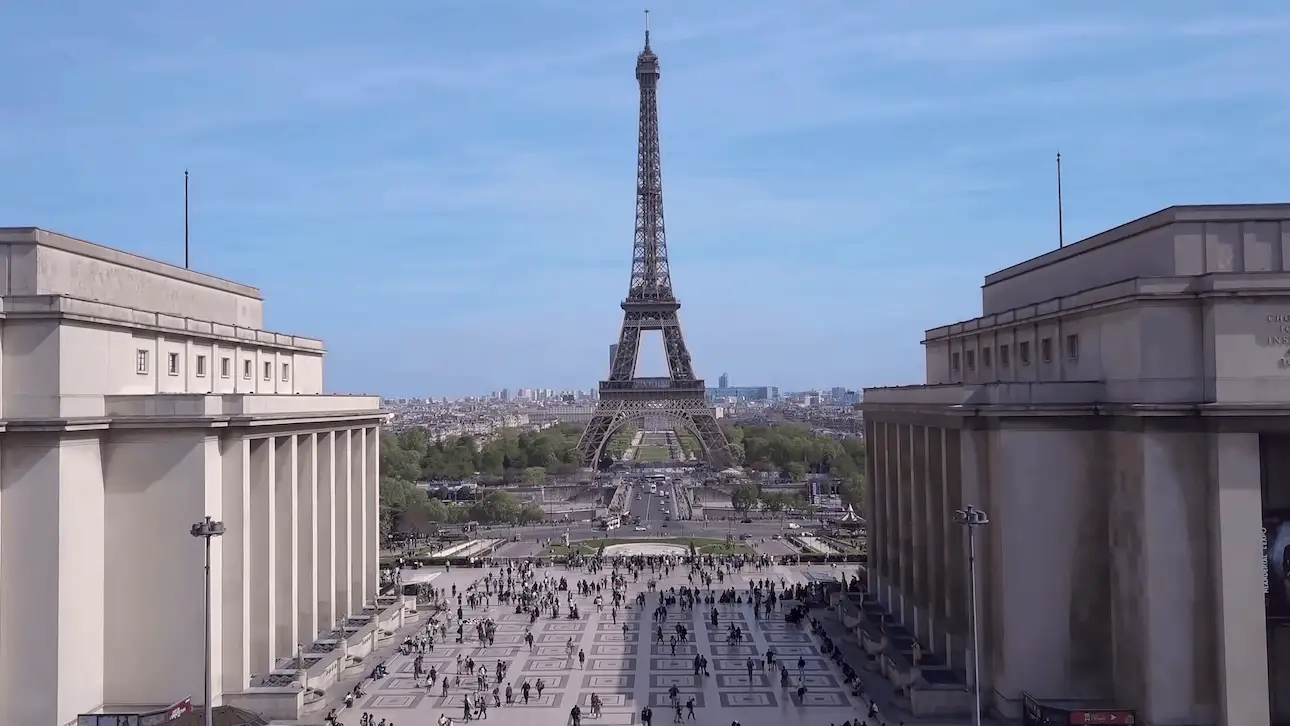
652,453
705,546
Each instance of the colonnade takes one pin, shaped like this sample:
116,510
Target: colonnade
917,555
302,549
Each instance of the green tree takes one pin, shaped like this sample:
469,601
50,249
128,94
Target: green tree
535,475
795,452
743,498
496,507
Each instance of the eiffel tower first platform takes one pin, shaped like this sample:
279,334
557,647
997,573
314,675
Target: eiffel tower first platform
651,305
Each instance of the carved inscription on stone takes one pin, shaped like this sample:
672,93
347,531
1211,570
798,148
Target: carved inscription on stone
1280,337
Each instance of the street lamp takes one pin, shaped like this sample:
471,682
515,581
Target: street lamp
971,518
207,529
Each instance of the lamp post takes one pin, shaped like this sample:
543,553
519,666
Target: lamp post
971,518
207,529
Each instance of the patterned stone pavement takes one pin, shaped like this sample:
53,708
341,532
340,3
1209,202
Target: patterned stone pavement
627,671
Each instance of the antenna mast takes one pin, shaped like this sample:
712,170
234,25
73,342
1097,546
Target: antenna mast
1061,231
185,219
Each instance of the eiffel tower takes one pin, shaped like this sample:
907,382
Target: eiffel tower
651,305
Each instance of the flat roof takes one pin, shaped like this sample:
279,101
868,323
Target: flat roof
1270,212
84,248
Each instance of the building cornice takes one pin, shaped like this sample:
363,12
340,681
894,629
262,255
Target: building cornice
36,236
64,307
1277,212
71,425
1119,295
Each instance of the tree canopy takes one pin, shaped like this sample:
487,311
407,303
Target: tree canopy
409,457
796,452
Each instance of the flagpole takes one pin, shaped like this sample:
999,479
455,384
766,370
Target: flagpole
1061,232
185,219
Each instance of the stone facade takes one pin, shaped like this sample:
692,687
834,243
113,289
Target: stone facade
136,398
1110,412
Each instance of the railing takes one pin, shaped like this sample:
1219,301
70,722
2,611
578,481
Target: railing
652,384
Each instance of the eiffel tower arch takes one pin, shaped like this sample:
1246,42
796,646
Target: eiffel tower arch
651,305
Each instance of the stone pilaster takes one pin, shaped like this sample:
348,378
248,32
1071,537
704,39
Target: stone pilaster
307,536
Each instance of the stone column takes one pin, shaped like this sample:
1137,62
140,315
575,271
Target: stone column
307,537
344,522
326,517
873,503
358,518
1236,525
938,520
918,527
891,513
262,541
905,502
373,479
235,580
286,634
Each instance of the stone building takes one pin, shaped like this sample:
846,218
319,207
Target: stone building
136,398
1121,410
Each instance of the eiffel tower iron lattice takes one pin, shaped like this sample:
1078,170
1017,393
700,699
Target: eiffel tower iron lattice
651,305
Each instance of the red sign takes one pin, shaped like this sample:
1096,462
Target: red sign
180,709
1102,718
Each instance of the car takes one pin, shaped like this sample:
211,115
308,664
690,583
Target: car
745,536
640,529
777,536
745,520
665,524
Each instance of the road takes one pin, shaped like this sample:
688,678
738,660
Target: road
653,511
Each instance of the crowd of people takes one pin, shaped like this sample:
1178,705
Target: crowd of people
602,582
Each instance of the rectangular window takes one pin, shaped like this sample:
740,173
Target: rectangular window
201,366
225,367
286,372
268,371
1046,349
985,357
172,364
1072,347
1003,356
246,369
141,361
1023,352
954,361
970,358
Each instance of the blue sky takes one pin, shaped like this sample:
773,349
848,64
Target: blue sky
443,190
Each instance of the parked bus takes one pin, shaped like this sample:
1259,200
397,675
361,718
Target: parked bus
611,523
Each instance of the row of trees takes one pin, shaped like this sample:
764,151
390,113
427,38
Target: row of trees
531,457
410,456
514,456
796,452
747,496
406,507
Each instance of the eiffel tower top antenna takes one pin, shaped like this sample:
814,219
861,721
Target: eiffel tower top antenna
646,28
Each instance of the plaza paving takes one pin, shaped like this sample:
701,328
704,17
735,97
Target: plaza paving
627,671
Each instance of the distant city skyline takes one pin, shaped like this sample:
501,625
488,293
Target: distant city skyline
449,204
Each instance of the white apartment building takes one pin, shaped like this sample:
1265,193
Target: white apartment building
135,398
1121,410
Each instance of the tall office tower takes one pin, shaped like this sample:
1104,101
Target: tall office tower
723,382
613,353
